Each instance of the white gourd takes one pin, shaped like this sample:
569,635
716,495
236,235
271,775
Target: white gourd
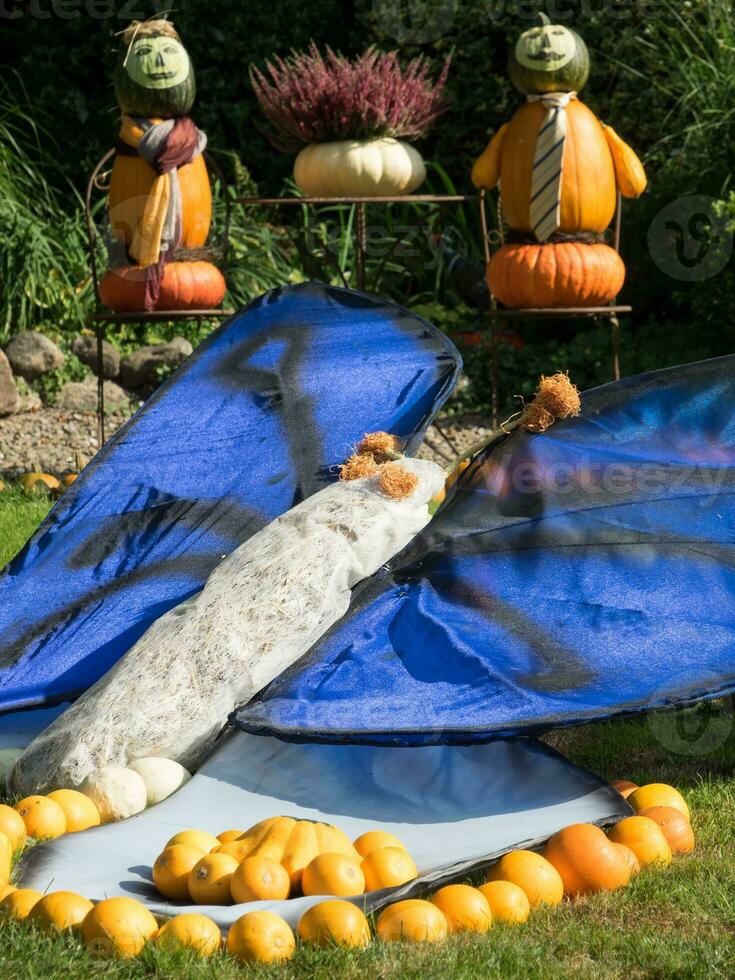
162,777
260,610
359,168
117,792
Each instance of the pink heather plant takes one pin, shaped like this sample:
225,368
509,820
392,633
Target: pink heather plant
314,98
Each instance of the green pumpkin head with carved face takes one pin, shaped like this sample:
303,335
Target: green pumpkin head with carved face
549,58
154,75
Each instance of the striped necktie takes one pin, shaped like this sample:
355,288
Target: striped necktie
548,160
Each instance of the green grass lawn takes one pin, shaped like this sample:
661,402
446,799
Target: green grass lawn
677,922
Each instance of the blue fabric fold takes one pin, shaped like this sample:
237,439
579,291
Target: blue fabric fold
574,575
258,418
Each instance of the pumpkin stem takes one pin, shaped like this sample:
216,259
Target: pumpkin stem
541,20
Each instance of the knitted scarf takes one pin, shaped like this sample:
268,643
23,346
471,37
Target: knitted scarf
165,145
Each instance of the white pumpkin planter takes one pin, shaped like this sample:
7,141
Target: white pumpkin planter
359,168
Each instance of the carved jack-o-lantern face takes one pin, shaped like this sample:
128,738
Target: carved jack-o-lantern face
546,48
158,62
549,58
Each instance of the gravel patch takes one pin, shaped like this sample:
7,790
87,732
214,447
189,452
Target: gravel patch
50,440
56,441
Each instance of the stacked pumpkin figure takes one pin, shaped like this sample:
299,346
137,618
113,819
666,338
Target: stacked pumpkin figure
559,170
160,203
281,857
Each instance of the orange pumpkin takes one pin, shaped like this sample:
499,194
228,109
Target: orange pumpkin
295,843
567,274
586,860
184,286
387,867
508,903
130,183
412,920
624,787
676,828
533,873
466,909
658,794
172,868
333,874
645,838
334,922
633,863
588,188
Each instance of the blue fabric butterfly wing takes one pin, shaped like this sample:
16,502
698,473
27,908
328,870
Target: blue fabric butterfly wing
573,575
257,419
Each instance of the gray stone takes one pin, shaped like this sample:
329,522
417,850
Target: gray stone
141,367
85,348
81,396
9,398
32,354
30,402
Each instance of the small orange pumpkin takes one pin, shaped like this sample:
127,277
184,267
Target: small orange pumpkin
675,826
633,863
624,787
645,838
184,286
658,794
567,274
586,860
538,878
341,923
333,874
466,909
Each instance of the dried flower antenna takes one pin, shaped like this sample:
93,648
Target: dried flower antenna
556,398
396,482
358,466
382,445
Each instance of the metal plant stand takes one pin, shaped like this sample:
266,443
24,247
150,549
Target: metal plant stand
497,314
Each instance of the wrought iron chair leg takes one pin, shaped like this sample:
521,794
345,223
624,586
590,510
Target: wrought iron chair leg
100,389
615,327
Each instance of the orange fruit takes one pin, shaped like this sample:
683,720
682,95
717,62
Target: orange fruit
633,862
191,930
333,874
43,818
534,874
375,839
336,922
257,879
171,871
465,908
6,890
645,839
209,879
19,903
194,838
658,794
508,903
261,937
61,911
413,920
229,835
6,859
387,867
118,927
11,824
79,810
677,829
